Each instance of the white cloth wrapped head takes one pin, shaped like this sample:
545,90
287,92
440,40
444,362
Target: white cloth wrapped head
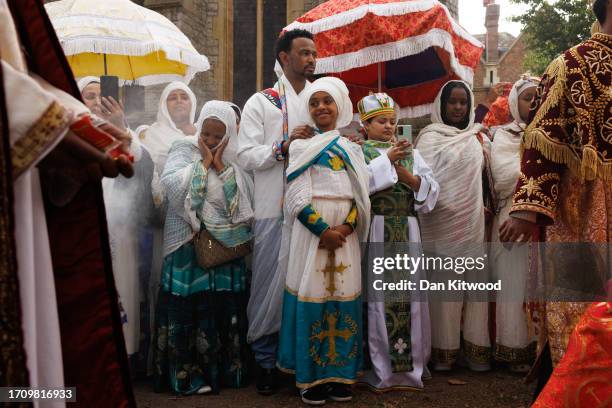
223,112
518,88
437,116
337,89
163,115
83,82
161,134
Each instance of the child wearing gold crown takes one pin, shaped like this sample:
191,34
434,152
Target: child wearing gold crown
401,184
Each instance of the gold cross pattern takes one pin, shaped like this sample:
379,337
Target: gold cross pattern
331,269
332,333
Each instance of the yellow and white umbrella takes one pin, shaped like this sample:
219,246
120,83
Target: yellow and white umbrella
123,39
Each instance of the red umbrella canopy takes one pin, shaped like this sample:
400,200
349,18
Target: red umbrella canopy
410,48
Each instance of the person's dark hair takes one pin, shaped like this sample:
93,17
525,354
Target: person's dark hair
446,92
599,9
284,42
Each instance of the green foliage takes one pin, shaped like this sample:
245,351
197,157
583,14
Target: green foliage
550,29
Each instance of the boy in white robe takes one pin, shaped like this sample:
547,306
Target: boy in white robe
401,184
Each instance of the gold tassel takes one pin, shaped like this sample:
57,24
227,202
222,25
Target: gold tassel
589,166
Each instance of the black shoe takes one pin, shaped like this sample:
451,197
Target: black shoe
339,392
267,381
316,395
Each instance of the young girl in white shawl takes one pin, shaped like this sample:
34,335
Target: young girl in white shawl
201,313
455,149
401,184
514,345
328,204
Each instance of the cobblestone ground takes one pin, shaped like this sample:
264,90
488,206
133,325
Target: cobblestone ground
496,389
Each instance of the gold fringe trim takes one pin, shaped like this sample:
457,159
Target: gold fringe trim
589,167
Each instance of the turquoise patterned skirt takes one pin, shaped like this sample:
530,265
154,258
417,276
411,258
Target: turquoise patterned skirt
200,325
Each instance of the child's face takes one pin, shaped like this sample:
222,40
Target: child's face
323,110
381,127
212,132
456,107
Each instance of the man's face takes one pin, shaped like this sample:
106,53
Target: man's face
302,58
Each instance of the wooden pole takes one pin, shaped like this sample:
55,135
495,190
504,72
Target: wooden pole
260,9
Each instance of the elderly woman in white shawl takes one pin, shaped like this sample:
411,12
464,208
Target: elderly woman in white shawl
201,312
455,149
327,201
514,345
128,205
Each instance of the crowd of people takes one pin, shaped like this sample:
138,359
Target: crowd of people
235,241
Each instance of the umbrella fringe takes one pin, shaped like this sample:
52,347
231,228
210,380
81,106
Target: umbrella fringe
409,112
348,17
122,47
396,50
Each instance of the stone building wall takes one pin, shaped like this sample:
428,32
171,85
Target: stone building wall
195,19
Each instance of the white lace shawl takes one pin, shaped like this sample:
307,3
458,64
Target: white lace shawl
457,160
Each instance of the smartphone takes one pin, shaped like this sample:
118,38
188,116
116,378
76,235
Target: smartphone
109,86
404,132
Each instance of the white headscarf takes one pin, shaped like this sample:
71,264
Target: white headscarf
337,89
456,158
161,134
436,114
518,88
83,82
223,112
505,152
358,172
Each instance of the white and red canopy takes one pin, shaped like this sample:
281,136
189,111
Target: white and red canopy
419,42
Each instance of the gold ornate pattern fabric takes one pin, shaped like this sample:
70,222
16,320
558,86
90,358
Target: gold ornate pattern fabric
571,127
583,214
40,136
515,355
13,370
572,122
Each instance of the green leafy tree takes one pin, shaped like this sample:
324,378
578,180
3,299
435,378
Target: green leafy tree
550,29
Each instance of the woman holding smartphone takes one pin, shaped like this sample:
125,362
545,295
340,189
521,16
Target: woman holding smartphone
401,184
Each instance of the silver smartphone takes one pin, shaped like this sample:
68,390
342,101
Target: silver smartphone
404,132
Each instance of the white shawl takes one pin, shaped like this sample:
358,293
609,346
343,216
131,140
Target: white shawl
161,134
223,112
456,159
505,153
270,313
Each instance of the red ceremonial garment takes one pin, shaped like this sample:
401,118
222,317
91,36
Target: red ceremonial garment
583,378
93,350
